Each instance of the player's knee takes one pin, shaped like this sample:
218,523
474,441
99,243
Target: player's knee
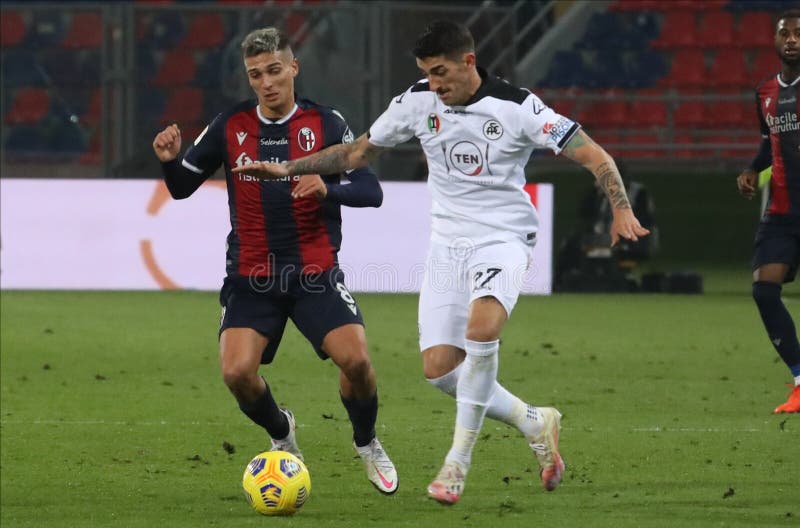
766,293
483,332
357,367
238,379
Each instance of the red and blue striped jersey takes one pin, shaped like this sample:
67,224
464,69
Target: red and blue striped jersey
273,234
778,111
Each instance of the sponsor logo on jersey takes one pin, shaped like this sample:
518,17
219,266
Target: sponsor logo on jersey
434,124
492,129
557,130
792,99
467,158
269,142
240,136
783,123
243,160
306,139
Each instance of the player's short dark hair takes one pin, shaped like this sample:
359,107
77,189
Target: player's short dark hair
264,40
791,13
443,37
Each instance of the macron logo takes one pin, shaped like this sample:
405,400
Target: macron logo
240,137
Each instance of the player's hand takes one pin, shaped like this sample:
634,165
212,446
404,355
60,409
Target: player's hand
747,182
167,144
626,225
310,184
263,170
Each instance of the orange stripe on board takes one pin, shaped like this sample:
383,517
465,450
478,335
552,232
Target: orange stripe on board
159,276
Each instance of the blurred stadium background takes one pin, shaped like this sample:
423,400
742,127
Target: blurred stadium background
665,85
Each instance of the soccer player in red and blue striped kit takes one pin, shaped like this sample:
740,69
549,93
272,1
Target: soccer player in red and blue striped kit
777,244
281,260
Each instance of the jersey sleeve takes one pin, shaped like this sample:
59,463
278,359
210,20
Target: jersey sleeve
208,151
763,157
396,124
544,127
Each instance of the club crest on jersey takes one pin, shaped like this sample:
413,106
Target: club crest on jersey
306,139
467,158
492,130
434,124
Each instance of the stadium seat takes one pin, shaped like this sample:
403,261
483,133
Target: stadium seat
690,114
683,146
637,146
716,29
648,113
728,70
163,30
765,64
66,137
566,69
61,66
12,29
209,69
688,70
177,67
645,68
183,105
24,140
206,30
679,30
150,102
605,114
85,31
755,30
732,113
29,106
20,68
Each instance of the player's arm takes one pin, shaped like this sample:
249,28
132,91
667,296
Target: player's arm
181,180
582,149
331,160
364,190
748,178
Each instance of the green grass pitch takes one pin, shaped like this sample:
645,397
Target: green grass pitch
113,413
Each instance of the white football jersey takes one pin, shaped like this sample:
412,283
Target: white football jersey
476,156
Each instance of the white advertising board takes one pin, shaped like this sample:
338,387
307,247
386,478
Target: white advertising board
130,235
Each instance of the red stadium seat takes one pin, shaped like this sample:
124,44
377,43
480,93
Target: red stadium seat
29,106
765,64
12,29
688,70
683,146
85,31
638,144
206,30
679,30
728,70
755,30
716,29
732,113
690,114
605,114
183,104
648,113
177,67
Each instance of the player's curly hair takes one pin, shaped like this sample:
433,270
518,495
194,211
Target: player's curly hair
444,37
264,40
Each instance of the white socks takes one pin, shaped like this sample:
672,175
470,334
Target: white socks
503,406
474,389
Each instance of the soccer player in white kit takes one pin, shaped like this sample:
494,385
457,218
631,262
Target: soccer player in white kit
477,132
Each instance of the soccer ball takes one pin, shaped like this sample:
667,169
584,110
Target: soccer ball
276,483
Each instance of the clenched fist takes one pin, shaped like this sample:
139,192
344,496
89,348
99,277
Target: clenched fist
167,144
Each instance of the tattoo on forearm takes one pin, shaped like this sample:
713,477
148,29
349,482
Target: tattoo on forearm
578,140
610,181
328,161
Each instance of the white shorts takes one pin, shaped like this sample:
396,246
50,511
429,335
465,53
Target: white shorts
454,277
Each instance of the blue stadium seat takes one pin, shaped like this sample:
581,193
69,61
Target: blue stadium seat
24,140
20,68
566,69
65,137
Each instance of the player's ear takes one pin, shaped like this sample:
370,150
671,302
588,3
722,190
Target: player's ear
295,67
469,59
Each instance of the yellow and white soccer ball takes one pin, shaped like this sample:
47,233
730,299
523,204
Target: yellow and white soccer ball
276,483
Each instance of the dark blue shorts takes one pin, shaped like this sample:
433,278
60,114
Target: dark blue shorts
315,303
778,242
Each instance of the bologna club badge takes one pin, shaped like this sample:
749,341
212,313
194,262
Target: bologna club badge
306,139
